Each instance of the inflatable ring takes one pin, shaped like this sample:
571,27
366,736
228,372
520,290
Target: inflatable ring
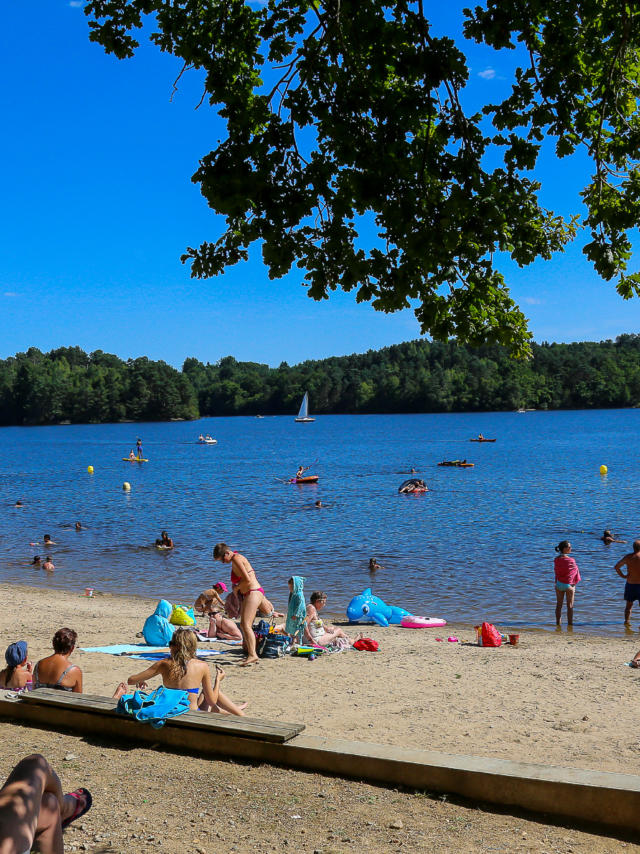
412,622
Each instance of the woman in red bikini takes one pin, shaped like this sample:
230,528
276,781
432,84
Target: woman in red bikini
244,576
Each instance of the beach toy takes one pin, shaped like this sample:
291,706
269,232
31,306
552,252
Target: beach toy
90,469
413,622
513,640
452,639
368,608
126,486
603,469
88,591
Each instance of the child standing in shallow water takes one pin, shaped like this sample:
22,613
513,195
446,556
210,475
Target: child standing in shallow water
567,576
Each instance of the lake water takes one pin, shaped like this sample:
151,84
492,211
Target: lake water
478,545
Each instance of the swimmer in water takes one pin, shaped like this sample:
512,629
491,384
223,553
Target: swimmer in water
78,526
48,564
374,566
165,542
47,541
319,503
36,560
608,538
18,503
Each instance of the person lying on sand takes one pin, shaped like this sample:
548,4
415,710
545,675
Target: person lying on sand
33,810
223,628
16,676
184,672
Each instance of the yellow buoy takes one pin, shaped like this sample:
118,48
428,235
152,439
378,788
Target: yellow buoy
603,469
90,469
126,486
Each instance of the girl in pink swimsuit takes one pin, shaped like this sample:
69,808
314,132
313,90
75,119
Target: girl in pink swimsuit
251,594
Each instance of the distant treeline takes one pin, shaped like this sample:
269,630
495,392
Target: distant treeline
70,385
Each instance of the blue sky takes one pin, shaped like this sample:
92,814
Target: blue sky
98,206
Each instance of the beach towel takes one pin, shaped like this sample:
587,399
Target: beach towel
154,708
296,609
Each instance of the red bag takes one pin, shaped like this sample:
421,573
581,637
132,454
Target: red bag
490,635
366,645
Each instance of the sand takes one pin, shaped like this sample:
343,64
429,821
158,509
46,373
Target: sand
556,698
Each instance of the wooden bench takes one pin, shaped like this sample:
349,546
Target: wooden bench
191,729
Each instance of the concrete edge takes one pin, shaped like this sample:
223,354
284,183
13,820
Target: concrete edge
598,797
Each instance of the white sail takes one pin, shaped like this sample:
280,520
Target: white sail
304,406
303,414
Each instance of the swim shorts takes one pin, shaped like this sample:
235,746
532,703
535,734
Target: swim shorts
632,592
560,585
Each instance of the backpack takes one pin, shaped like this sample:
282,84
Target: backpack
272,645
156,707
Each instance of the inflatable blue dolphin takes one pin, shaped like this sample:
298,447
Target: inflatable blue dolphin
367,608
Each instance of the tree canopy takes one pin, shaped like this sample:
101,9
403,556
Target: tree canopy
346,115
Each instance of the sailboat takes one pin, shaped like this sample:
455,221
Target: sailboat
303,414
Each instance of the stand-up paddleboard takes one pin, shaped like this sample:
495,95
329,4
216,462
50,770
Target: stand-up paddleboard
135,460
413,622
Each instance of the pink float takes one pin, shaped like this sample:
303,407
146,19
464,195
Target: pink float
413,622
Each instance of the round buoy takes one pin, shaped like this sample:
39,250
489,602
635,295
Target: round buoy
126,486
603,469
90,469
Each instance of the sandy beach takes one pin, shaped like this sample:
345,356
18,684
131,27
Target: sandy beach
556,698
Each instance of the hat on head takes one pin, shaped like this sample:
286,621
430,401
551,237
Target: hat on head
221,585
16,653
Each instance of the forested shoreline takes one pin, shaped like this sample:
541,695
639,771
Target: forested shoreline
68,384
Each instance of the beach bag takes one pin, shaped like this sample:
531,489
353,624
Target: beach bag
490,635
366,645
182,616
156,707
272,646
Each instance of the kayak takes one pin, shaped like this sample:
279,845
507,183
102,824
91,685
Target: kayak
135,460
482,440
312,478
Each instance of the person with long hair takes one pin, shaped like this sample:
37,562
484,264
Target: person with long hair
567,576
184,672
55,671
243,575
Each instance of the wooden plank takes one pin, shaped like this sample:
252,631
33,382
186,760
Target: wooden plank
275,731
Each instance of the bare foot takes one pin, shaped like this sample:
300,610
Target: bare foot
122,689
249,661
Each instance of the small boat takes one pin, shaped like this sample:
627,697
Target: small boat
135,460
460,464
482,440
206,440
310,478
303,415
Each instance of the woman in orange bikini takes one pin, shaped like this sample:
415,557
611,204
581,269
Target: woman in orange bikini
244,576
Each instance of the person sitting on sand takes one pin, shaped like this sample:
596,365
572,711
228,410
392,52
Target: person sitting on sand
184,672
16,676
317,632
209,600
223,628
374,566
48,564
608,538
250,592
632,578
47,541
567,576
55,671
33,810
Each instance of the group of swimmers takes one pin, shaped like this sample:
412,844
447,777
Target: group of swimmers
567,575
